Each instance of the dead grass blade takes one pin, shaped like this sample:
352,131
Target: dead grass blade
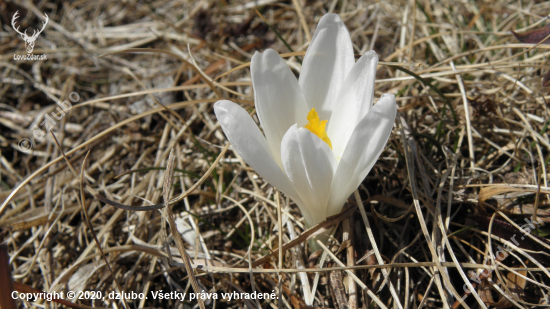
173,228
85,211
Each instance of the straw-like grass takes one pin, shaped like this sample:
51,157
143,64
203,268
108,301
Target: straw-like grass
465,167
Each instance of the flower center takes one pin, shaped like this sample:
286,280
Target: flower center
317,127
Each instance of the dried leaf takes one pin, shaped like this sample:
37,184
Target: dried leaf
516,283
488,192
507,231
546,79
488,295
534,36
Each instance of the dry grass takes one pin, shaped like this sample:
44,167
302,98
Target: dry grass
462,171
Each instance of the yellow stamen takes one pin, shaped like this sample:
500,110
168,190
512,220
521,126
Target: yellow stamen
317,127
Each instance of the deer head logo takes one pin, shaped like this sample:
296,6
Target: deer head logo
29,40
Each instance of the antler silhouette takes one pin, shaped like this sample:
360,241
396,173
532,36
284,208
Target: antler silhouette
43,26
15,16
24,34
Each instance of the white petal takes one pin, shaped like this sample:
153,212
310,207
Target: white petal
363,149
328,60
247,140
310,166
354,101
278,97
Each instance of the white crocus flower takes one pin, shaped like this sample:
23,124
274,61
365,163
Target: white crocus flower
322,132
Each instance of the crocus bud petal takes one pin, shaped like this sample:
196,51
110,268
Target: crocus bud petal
247,140
363,149
328,60
310,165
278,97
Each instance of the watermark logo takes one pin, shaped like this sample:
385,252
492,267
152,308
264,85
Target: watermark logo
25,145
29,40
500,255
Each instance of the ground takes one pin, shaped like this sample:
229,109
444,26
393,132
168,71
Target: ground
461,186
